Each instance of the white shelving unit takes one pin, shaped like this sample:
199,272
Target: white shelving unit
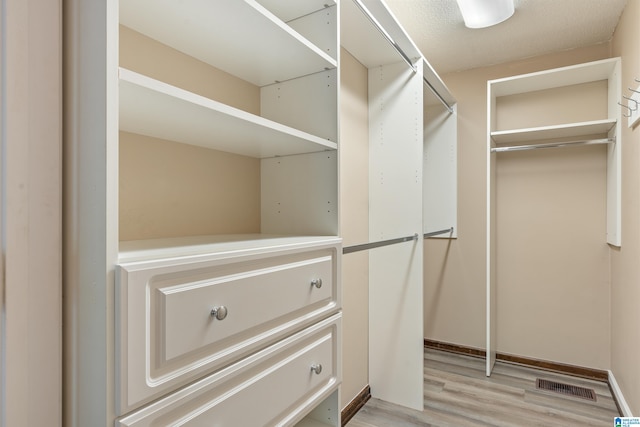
290,52
606,127
286,51
203,30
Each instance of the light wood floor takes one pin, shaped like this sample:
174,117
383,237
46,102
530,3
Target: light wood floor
457,393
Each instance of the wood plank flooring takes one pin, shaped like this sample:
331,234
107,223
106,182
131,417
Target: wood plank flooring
457,393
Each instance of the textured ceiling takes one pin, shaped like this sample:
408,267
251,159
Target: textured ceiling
537,27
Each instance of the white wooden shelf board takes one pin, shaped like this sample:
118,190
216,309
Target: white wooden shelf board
153,108
212,245
360,37
290,10
311,423
254,44
434,79
548,79
577,130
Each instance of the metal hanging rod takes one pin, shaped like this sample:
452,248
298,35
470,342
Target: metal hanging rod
439,232
437,94
398,49
367,246
553,145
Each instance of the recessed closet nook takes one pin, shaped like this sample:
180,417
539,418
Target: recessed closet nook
263,202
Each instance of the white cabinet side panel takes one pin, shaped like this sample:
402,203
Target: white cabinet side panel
490,281
440,197
299,194
320,29
395,206
307,103
614,162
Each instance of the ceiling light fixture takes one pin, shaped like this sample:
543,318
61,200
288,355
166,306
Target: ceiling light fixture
485,13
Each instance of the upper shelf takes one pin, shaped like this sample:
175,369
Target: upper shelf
290,10
367,26
574,130
153,108
255,45
575,74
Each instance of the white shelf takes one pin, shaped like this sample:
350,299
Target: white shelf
242,38
290,10
578,130
212,245
153,108
312,423
559,77
366,42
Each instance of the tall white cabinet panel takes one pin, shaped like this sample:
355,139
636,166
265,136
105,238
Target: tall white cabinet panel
440,183
395,272
399,82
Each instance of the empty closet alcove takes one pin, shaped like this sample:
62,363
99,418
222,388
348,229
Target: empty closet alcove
553,202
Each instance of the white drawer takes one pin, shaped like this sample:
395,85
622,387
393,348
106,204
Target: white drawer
275,386
167,337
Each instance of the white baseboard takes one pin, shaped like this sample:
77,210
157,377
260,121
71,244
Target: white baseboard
617,393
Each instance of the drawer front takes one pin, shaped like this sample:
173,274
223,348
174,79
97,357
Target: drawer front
169,332
275,386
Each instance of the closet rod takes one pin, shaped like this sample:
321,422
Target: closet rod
437,94
367,246
398,49
386,35
553,145
437,233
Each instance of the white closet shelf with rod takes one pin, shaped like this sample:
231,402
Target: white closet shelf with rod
550,95
380,17
574,130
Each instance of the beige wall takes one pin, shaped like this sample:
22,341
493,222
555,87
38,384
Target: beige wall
354,223
230,206
455,271
625,266
156,60
31,151
223,194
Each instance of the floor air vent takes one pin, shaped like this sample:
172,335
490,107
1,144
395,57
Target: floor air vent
566,389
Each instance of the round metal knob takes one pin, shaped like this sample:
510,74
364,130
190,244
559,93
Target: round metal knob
317,283
219,312
316,368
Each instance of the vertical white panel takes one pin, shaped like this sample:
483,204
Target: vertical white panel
307,103
614,162
320,29
491,238
299,194
91,209
440,198
395,210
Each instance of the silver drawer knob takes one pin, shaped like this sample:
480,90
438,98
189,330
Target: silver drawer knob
219,312
316,368
317,283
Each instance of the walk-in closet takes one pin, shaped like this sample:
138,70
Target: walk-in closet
319,213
